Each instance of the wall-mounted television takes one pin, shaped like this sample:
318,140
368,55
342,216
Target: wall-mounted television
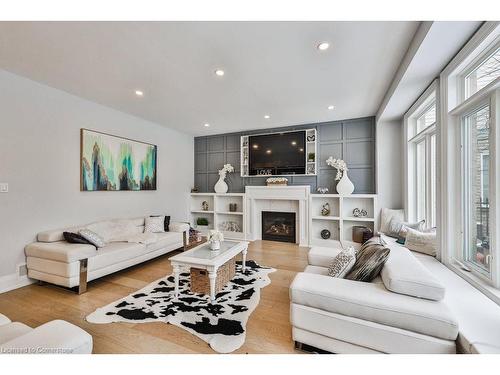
277,154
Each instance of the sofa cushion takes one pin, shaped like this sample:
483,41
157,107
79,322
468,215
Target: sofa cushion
166,239
12,330
75,238
4,320
61,251
373,302
55,235
115,252
55,337
114,229
322,256
154,224
403,273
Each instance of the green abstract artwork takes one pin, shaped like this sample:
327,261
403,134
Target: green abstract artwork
109,162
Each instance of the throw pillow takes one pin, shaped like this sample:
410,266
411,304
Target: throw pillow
166,222
387,215
92,237
154,224
369,260
398,228
342,263
75,238
422,242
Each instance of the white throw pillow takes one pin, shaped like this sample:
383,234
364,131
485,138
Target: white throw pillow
387,215
342,263
422,242
154,224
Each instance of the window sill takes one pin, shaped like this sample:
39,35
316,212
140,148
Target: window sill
485,288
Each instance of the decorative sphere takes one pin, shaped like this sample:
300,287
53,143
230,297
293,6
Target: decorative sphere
325,234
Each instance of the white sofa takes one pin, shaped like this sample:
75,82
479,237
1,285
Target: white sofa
55,337
345,316
53,260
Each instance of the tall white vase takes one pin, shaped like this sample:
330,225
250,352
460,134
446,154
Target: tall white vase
221,186
345,186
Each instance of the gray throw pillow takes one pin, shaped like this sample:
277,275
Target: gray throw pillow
369,260
342,263
93,238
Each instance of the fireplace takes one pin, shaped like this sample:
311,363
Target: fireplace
278,226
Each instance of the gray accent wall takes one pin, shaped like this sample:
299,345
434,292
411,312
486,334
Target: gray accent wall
351,140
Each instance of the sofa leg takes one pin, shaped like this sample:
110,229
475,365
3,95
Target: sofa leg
41,282
298,345
82,286
184,241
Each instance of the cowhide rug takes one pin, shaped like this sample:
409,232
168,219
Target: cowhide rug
220,323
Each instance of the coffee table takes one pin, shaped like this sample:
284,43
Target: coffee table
205,258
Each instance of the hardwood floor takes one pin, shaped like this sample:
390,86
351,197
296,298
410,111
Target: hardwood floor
268,329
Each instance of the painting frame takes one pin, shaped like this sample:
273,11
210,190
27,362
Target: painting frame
117,185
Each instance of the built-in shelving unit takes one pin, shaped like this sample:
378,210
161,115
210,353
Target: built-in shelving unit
340,220
218,214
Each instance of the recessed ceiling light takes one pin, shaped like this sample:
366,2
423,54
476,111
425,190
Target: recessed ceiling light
255,146
330,107
219,72
206,125
323,46
301,149
268,151
139,93
267,117
294,143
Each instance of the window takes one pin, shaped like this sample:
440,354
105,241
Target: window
420,123
475,188
486,72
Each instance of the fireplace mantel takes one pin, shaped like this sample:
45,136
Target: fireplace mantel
278,198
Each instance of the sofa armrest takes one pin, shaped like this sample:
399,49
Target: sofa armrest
55,337
61,251
178,227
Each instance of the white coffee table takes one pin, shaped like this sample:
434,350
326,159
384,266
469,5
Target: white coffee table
204,258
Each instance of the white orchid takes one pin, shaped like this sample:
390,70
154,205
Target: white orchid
338,164
227,168
215,235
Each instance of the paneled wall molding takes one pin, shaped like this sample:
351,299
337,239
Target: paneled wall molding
352,140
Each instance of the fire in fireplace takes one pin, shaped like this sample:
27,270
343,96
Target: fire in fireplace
278,226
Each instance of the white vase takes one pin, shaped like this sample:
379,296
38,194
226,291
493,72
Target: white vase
221,186
345,186
215,245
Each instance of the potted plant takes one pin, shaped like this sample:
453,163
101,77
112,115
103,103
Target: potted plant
311,157
215,238
202,223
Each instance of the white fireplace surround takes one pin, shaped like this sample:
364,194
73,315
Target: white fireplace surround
279,199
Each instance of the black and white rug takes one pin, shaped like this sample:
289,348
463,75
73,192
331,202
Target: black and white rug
220,323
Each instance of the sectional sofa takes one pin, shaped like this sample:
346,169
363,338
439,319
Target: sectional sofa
401,311
55,337
51,259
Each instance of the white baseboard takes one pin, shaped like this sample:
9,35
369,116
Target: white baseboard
13,281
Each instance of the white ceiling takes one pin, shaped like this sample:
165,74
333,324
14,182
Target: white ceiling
271,68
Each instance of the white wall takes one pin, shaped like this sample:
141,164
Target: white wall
389,164
40,159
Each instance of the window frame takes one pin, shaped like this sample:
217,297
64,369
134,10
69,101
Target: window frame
489,51
462,255
454,104
426,101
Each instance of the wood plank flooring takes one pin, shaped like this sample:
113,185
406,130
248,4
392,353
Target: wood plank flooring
268,329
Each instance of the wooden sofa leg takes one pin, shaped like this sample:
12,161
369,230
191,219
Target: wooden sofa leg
298,345
82,286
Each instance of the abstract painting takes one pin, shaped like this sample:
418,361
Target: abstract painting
110,162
